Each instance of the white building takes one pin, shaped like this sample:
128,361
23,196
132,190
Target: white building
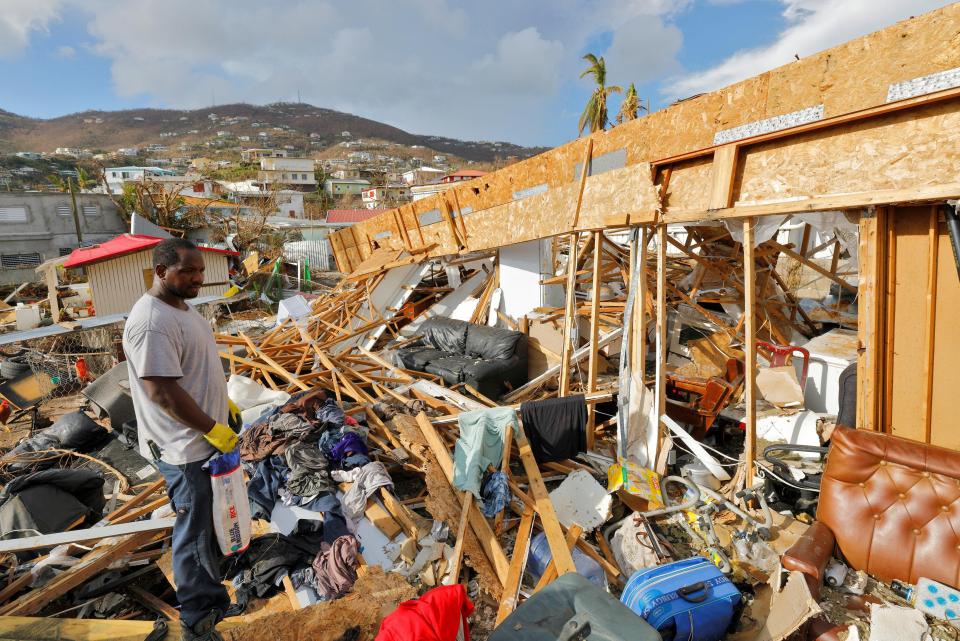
116,176
422,175
287,171
418,192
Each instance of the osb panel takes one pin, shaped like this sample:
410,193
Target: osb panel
897,151
690,185
946,374
909,321
848,78
628,190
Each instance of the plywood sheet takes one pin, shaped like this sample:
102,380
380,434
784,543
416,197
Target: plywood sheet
911,226
946,363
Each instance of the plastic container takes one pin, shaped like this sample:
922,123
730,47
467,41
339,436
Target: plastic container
540,557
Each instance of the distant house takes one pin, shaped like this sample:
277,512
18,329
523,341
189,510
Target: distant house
345,186
38,227
255,154
29,155
419,192
297,172
463,174
120,270
422,175
387,195
345,174
116,176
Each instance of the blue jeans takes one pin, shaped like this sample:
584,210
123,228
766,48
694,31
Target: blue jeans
196,558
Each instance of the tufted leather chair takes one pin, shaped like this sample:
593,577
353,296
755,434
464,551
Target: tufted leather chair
890,505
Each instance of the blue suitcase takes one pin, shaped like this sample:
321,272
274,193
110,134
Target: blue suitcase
689,600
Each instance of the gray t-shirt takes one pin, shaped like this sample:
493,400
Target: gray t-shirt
162,340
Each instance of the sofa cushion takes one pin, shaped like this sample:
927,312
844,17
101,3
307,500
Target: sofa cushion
446,334
450,369
894,505
491,342
418,357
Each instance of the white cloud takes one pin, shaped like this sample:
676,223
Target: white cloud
66,52
19,18
813,25
483,70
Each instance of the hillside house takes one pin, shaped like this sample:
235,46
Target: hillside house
298,172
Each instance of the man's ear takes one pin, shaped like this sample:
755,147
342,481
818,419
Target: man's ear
160,271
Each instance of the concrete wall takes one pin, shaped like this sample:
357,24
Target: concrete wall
46,231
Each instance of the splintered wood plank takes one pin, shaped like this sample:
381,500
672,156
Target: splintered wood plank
548,517
521,549
461,537
550,573
478,522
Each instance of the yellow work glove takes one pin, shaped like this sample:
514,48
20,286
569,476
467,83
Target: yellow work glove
233,416
221,437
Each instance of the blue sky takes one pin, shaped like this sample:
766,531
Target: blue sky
499,70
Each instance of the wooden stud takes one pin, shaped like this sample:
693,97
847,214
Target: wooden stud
593,362
750,347
724,170
548,517
569,317
550,572
521,549
931,320
660,398
486,537
869,330
584,171
461,537
888,328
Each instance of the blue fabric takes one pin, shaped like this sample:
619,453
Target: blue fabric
331,414
196,560
263,490
495,493
350,444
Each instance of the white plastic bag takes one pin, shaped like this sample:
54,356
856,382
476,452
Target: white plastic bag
231,507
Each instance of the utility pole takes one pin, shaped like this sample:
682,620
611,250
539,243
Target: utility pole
76,214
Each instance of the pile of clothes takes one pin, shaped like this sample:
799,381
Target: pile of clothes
296,454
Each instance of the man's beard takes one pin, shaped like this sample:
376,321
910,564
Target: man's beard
182,293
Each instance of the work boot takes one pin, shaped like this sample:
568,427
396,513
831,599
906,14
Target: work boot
203,630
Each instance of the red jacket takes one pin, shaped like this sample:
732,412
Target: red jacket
436,616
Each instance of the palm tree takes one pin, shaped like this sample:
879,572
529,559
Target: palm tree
595,113
630,105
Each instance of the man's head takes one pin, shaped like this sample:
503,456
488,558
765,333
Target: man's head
178,267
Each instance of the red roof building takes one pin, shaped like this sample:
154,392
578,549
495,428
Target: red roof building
351,216
463,174
120,270
120,246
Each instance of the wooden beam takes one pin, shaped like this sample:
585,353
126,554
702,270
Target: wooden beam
869,331
933,256
92,563
750,347
660,395
569,319
584,171
548,517
521,549
461,537
486,537
550,572
724,170
594,360
150,526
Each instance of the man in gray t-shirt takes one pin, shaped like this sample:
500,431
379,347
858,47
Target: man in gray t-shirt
180,397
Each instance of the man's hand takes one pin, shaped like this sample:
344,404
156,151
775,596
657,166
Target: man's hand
221,437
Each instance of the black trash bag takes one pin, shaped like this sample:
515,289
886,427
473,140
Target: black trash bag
50,501
75,431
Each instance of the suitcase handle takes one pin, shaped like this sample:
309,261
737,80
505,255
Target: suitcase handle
686,591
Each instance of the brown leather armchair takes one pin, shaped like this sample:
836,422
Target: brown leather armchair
891,507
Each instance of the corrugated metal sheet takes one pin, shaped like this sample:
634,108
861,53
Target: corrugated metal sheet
318,252
115,285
